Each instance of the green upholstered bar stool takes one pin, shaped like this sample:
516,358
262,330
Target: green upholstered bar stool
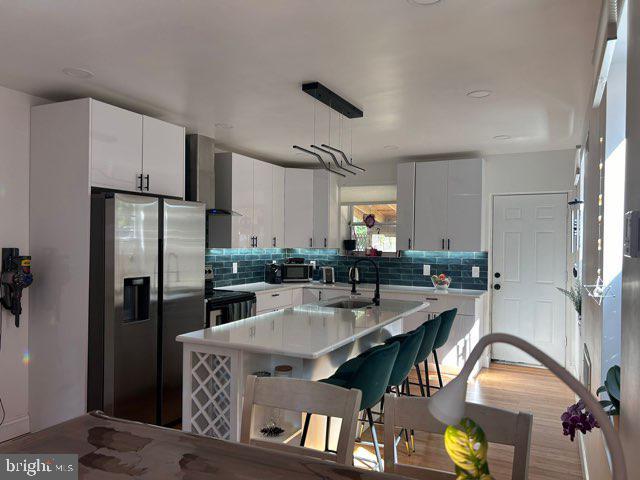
410,344
446,322
369,372
431,328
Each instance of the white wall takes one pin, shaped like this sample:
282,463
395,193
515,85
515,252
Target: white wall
14,232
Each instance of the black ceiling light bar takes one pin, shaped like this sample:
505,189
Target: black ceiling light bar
333,158
344,156
332,100
319,157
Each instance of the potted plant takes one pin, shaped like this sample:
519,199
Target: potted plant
612,388
575,296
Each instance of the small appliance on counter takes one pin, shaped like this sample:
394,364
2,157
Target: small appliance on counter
273,273
349,246
328,275
226,306
296,272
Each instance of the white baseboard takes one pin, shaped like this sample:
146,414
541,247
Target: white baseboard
14,428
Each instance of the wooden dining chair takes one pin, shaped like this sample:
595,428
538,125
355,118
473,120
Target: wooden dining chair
500,426
308,397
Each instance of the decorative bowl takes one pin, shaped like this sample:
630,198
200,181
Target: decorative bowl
441,282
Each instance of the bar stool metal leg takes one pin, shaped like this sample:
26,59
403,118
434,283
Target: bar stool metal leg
420,380
374,435
303,439
426,377
435,357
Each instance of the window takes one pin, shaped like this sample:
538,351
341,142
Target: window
382,236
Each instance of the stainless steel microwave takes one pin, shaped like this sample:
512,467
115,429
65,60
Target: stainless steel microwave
296,272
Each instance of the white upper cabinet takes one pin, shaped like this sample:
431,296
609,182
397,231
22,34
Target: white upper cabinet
464,205
298,208
405,201
135,153
162,157
326,214
116,147
447,205
262,204
277,214
431,206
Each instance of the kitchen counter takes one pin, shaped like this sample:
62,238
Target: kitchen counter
313,339
307,331
262,287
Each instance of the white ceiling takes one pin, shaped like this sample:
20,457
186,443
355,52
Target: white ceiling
241,62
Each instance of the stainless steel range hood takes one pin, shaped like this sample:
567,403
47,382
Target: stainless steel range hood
200,174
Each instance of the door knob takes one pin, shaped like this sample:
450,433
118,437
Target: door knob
497,286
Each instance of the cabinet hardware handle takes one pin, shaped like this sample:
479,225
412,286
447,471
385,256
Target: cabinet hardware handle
311,242
140,184
448,244
147,186
443,244
319,295
275,294
431,299
274,241
409,244
325,242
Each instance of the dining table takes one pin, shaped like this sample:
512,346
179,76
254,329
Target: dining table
111,448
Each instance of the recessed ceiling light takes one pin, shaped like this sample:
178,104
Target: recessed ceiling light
479,93
424,3
224,126
502,137
391,147
82,73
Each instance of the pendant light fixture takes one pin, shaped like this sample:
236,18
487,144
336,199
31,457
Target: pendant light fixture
335,102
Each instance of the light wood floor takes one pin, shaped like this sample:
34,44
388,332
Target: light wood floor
553,456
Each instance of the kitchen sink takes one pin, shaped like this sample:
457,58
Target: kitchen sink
350,304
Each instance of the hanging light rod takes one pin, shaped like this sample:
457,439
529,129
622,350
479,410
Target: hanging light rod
334,159
344,156
332,100
319,157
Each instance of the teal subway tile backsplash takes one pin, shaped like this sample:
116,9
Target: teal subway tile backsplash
403,270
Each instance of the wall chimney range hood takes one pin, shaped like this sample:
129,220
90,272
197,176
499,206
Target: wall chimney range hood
199,174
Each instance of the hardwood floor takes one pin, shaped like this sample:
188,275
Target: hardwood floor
534,390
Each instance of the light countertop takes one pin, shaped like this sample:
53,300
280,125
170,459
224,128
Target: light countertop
308,331
262,287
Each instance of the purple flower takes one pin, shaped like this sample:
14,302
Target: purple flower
577,417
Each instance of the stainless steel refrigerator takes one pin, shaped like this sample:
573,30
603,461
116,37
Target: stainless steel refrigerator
147,286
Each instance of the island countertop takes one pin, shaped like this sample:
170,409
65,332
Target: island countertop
307,331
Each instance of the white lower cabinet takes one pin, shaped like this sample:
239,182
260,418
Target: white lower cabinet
275,300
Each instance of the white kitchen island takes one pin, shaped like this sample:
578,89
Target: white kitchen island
313,339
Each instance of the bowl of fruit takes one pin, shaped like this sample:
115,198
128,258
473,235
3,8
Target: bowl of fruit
441,282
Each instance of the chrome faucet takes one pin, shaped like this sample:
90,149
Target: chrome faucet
354,276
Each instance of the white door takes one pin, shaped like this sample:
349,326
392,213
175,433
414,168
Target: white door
529,262
298,208
464,205
406,197
262,203
116,147
241,201
431,206
277,219
163,157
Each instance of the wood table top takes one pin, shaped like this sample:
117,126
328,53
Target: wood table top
109,447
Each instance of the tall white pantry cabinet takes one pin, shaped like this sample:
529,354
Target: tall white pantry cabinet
76,145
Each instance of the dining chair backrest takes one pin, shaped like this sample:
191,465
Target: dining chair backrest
372,377
303,396
431,328
500,426
446,322
409,346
